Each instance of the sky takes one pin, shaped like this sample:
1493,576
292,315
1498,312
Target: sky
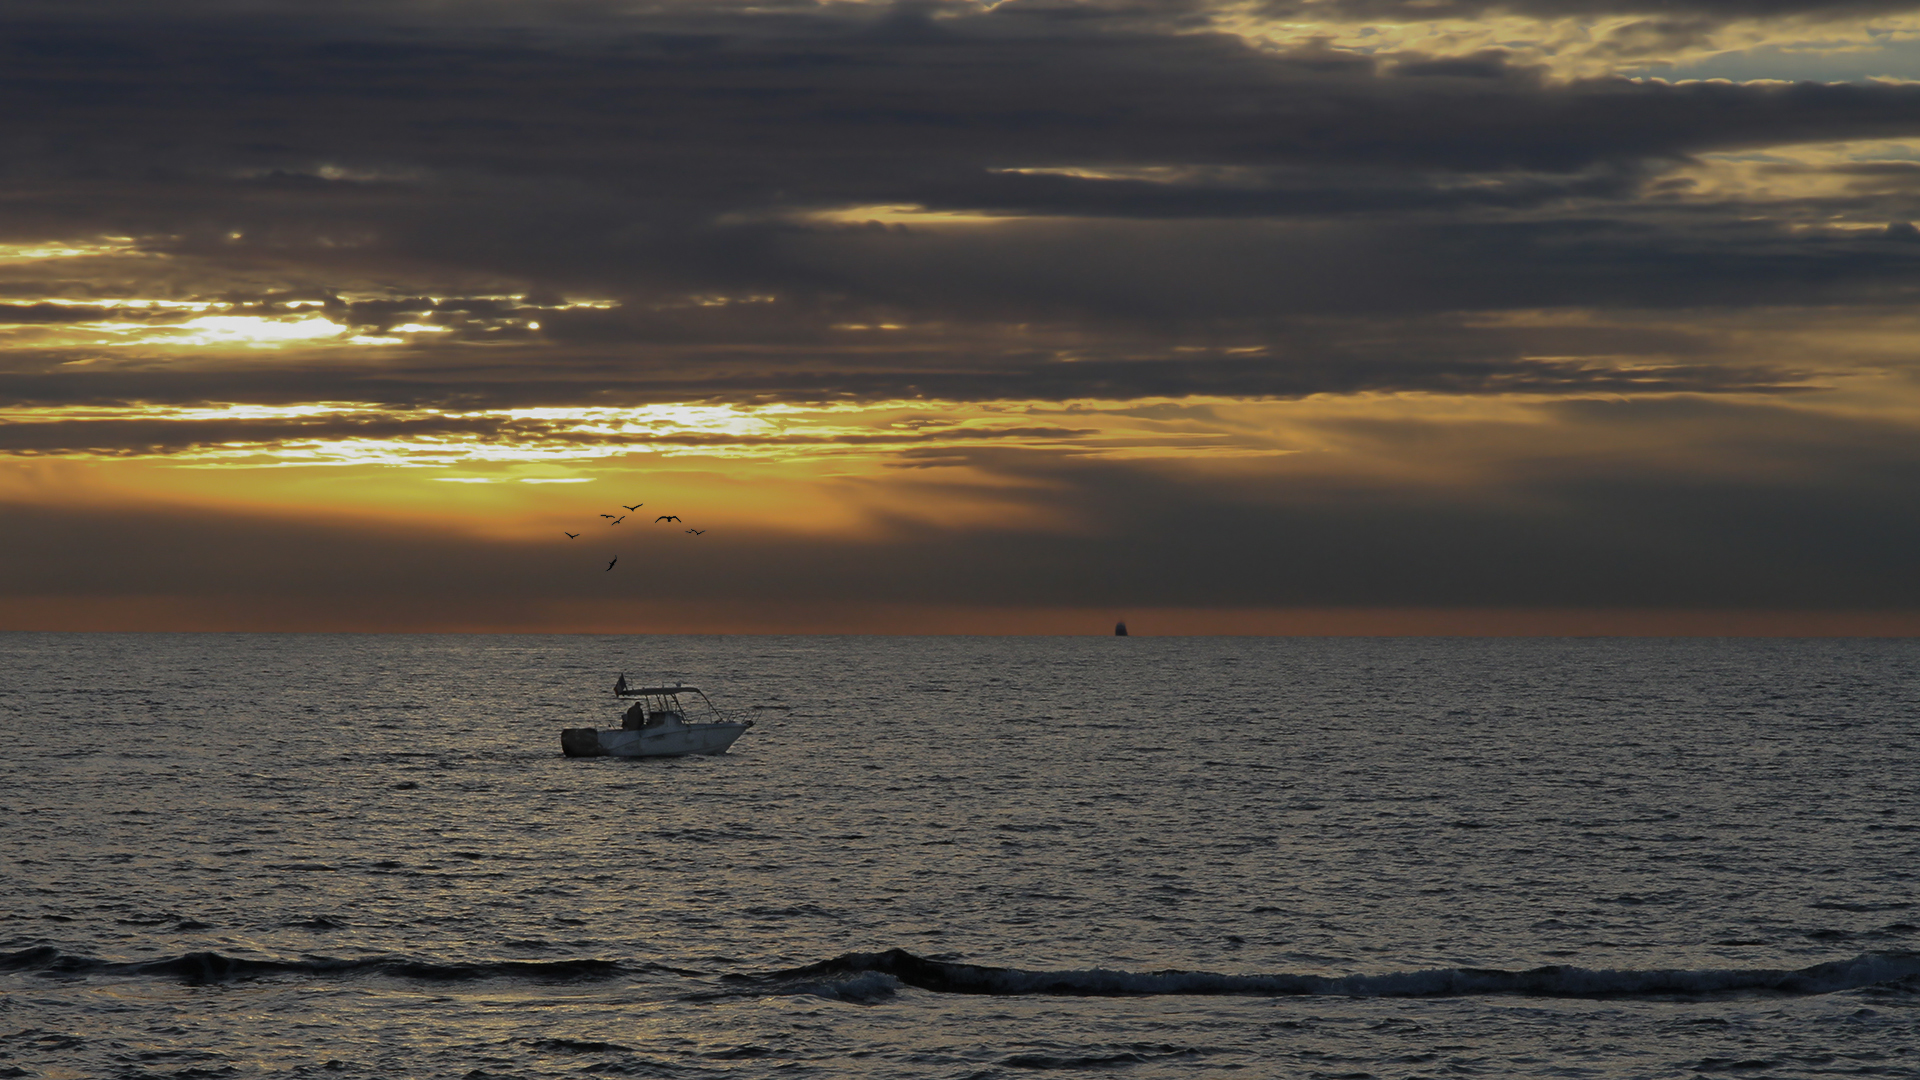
1247,316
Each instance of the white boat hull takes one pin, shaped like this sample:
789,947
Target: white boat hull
667,740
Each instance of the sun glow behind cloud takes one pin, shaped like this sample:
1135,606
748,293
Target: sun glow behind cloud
1359,435
1574,46
325,434
903,215
250,330
1834,180
86,247
1394,285
340,321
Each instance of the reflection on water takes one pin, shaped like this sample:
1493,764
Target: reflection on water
265,853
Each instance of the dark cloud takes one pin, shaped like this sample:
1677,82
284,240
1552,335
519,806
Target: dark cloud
1015,378
154,436
1191,274
629,135
302,151
617,203
657,121
32,314
1816,517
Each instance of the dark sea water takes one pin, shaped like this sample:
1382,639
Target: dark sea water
365,856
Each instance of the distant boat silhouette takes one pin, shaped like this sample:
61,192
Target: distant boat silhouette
1120,629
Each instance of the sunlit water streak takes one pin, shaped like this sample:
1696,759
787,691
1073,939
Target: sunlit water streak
365,856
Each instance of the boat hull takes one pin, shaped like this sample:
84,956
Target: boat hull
678,740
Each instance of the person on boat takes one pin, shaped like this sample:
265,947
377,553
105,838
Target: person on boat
636,716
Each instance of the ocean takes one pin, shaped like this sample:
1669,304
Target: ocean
240,855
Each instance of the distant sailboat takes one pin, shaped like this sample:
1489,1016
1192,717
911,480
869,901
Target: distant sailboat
1120,629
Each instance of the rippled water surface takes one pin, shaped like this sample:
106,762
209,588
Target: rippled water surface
365,856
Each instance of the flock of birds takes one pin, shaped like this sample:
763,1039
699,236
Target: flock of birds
613,519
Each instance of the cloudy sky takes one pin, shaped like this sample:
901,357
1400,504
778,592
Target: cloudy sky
1236,316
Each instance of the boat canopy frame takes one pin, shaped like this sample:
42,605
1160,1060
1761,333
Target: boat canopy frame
661,699
656,691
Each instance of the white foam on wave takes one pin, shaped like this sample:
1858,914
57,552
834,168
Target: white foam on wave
862,987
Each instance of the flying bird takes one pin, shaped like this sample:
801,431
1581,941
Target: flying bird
620,519
666,517
571,536
696,532
610,563
609,515
635,506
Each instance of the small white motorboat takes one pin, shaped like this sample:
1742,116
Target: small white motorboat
655,725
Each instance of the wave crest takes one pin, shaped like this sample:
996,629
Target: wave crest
210,967
868,978
938,976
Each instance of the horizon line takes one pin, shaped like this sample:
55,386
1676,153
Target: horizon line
179,614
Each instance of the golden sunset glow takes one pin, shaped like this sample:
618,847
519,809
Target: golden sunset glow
404,405
985,315
1574,45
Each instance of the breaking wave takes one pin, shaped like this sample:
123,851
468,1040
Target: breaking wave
209,967
871,976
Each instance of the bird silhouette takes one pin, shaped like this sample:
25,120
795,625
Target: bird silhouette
666,517
610,563
620,519
635,506
696,532
606,515
571,536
